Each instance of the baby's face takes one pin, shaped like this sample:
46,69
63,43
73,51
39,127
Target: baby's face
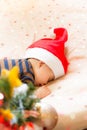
43,74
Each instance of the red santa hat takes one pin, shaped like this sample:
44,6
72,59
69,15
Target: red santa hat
51,52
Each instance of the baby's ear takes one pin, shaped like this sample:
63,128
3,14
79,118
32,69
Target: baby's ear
41,63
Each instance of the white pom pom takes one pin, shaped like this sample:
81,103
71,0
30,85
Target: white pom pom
21,89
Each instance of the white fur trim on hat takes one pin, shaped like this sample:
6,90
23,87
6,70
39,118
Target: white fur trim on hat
47,57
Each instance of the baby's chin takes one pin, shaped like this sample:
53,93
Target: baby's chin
38,84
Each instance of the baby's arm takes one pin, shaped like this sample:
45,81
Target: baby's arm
25,69
42,92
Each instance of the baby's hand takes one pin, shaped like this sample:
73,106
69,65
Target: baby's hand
32,113
42,92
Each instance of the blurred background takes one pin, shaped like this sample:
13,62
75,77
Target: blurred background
22,22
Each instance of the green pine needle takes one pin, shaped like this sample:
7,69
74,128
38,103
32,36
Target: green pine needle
27,100
5,88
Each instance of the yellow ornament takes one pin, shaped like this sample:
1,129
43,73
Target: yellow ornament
13,76
6,114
